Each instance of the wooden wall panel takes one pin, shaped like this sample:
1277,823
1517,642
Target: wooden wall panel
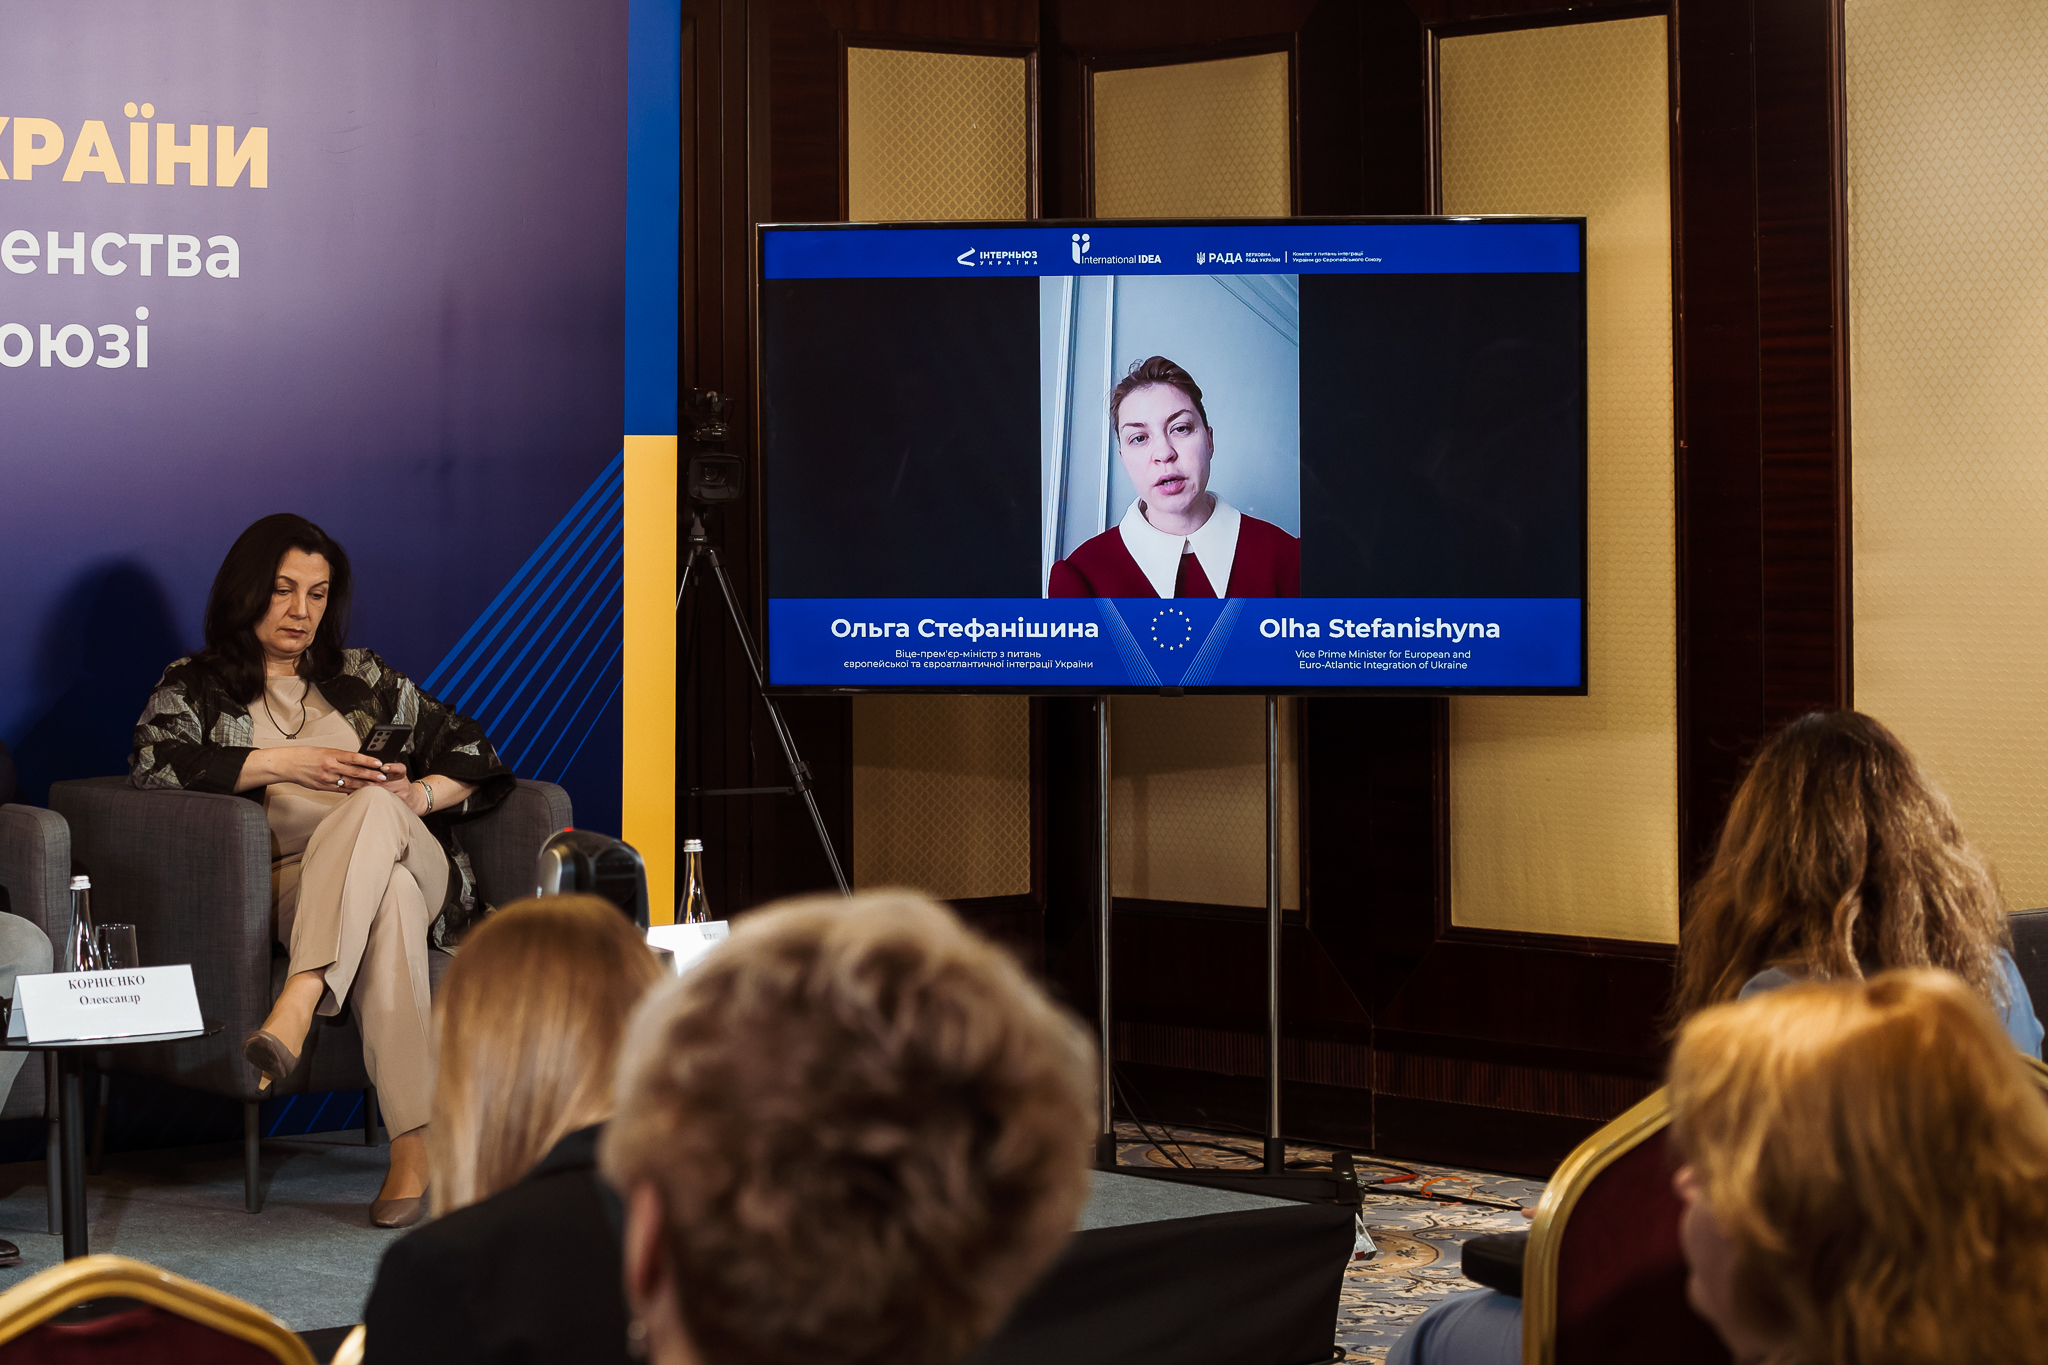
757,847
1720,531
1501,1050
1802,360
1764,611
960,21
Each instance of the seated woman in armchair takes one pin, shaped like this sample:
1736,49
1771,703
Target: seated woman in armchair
366,869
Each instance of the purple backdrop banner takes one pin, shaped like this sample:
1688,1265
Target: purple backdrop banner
362,262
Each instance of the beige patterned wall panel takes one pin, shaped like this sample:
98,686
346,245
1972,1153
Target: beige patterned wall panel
935,135
941,785
942,794
1188,774
1564,810
1188,800
1948,345
1198,140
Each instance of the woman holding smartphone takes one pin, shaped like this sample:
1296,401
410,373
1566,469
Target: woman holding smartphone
276,709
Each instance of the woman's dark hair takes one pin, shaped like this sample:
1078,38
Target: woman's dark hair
1144,374
1838,858
241,597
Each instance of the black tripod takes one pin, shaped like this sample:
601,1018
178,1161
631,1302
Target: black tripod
799,772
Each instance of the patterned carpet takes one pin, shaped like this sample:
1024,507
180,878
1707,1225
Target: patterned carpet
1418,1239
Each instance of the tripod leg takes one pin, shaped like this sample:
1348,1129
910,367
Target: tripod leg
799,771
683,583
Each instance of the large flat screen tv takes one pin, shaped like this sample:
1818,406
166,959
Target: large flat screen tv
1331,455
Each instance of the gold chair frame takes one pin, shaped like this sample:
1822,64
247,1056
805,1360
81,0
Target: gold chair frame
350,1352
47,1293
1546,1234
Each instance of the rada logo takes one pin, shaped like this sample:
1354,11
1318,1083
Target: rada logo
1080,245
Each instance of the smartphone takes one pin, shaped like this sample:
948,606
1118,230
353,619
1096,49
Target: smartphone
386,741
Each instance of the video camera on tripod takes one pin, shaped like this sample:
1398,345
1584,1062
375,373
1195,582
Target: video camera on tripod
715,478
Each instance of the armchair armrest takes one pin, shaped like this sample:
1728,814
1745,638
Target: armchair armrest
35,867
504,844
35,870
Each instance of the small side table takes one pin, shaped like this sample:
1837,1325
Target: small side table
70,1101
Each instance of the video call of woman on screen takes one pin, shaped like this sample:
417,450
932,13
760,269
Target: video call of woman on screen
1177,539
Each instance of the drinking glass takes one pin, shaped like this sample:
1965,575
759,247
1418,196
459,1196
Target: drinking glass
117,947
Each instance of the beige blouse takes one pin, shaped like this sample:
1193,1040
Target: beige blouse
293,811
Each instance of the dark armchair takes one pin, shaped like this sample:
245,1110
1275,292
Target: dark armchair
35,875
192,872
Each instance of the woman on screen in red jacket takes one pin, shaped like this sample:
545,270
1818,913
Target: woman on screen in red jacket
1178,539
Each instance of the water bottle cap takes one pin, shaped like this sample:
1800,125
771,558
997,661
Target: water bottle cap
693,845
81,883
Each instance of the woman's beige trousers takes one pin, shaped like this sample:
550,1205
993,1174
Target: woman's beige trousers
357,908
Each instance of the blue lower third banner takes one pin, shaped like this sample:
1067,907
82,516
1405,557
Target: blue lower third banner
1252,643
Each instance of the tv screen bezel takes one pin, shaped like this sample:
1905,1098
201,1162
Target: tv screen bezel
758,502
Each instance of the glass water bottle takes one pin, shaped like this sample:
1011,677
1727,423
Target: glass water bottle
85,953
695,906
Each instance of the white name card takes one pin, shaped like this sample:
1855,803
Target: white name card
60,1007
688,941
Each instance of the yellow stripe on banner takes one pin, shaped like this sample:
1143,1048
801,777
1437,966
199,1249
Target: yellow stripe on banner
649,768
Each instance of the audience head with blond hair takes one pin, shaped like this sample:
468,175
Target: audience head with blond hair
1839,857
854,1134
1866,1176
529,1018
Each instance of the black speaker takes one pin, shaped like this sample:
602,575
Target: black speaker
584,860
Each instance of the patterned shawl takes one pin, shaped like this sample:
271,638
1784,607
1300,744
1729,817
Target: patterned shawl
193,736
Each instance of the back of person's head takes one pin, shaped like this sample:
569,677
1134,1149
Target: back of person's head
867,1131
1838,855
529,1020
1877,1153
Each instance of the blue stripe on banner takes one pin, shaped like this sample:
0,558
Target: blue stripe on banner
654,99
320,1112
541,591
547,619
573,577
490,612
592,727
560,694
548,646
564,729
1203,670
1136,668
538,588
547,687
548,724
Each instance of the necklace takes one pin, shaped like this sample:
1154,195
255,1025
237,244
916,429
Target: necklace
303,698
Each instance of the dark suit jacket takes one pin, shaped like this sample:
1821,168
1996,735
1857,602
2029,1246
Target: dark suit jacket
529,1275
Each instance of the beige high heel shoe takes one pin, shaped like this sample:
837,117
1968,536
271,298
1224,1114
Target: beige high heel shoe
269,1055
399,1213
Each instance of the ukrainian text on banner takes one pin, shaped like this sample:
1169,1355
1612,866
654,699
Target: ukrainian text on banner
1247,643
266,258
